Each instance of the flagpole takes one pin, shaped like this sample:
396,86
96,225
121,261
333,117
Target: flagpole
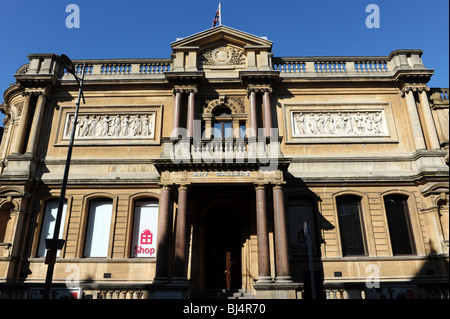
220,13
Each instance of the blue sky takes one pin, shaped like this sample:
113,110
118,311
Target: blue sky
145,28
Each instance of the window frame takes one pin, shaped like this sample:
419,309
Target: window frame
408,220
62,230
364,239
132,226
85,219
314,213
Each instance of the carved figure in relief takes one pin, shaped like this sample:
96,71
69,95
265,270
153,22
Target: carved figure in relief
320,123
84,124
146,126
103,128
377,121
92,125
329,125
359,123
368,122
339,122
136,126
300,123
115,126
125,125
348,123
312,124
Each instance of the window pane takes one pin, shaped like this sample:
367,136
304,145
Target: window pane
98,228
48,225
349,214
299,211
399,230
228,129
217,133
242,130
145,229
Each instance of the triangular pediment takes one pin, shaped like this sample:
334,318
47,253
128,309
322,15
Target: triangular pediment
221,34
221,52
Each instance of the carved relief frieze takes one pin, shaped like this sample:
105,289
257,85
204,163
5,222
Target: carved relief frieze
339,123
350,123
111,126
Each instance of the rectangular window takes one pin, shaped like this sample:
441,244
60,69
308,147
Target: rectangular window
299,211
350,225
398,222
145,228
98,228
223,129
48,225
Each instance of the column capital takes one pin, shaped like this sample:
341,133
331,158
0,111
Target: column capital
260,186
184,187
167,187
415,88
258,89
279,185
186,90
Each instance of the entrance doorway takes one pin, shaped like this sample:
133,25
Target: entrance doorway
223,249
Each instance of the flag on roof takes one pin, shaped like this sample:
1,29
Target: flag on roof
217,18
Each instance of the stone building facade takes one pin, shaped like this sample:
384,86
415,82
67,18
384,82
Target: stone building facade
194,175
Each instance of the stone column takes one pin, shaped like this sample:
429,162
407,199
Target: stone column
429,122
263,237
180,235
37,124
164,235
281,236
253,118
176,115
23,124
190,114
415,120
267,113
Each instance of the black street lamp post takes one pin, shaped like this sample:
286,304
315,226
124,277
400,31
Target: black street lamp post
54,244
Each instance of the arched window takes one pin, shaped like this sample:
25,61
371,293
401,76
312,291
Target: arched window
145,227
397,214
299,211
48,224
350,225
98,228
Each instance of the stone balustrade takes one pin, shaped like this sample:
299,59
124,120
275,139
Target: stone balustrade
439,96
287,66
122,67
344,66
48,64
222,150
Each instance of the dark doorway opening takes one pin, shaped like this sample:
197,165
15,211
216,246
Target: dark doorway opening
223,249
